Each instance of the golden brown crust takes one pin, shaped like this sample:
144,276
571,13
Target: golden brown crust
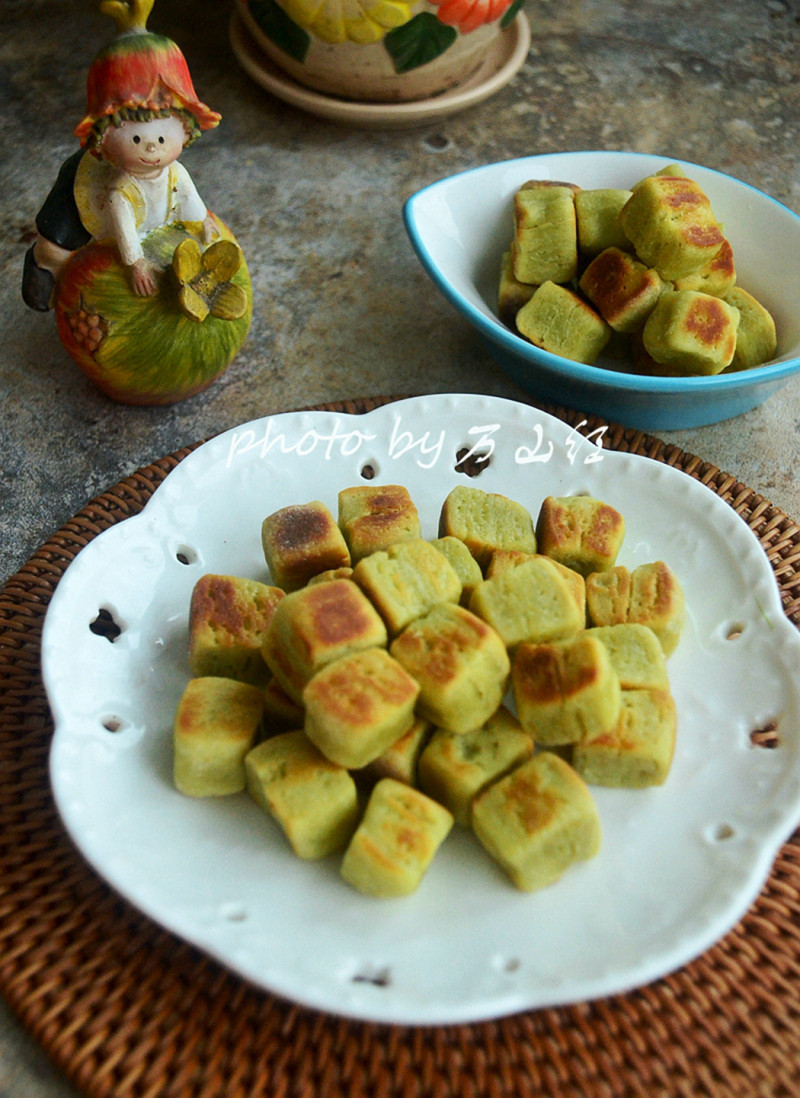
315,625
228,620
623,290
583,533
374,517
301,540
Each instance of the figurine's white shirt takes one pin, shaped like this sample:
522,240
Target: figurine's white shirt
113,204
137,206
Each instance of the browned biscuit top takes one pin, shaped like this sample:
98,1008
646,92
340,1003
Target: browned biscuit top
294,527
708,320
437,643
338,611
221,603
547,673
359,689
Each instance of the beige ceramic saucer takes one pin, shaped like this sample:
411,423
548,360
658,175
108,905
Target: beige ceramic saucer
501,64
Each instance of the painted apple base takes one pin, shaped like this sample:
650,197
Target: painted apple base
143,350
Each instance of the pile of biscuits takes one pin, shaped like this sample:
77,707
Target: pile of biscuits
648,268
385,687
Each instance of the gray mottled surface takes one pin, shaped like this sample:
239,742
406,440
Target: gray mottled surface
342,306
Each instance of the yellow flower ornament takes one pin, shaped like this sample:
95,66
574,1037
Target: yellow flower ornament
361,21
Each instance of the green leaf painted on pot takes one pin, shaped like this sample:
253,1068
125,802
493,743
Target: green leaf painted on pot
280,29
420,40
511,14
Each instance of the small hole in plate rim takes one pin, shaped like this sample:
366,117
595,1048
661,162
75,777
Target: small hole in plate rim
368,471
733,630
472,462
185,555
766,736
113,724
234,913
508,964
105,625
379,977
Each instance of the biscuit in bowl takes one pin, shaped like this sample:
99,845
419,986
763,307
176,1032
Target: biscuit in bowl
597,211
544,246
538,821
559,321
716,277
756,340
511,293
622,289
671,225
691,333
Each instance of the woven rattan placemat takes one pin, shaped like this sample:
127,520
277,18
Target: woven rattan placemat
126,1009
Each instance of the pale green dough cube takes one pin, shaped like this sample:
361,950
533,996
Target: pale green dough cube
463,563
407,580
396,841
314,800
638,752
454,768
538,821
597,211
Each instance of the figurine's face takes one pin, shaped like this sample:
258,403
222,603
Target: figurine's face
144,149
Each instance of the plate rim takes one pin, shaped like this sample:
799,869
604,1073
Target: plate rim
768,852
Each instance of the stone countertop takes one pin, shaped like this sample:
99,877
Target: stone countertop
342,307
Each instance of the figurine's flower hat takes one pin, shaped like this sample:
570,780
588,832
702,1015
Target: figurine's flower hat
139,69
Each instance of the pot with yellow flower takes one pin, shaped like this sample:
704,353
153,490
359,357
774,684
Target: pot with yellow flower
150,289
380,51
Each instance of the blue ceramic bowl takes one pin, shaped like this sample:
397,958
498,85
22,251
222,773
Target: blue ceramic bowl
460,227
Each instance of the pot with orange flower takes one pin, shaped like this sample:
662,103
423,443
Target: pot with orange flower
381,51
150,289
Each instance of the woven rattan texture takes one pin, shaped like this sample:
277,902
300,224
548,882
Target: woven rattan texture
129,1011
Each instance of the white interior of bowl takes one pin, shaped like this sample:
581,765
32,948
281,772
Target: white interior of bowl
462,225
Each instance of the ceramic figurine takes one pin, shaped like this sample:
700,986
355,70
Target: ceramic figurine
150,289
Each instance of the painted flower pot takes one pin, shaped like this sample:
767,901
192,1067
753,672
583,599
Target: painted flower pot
378,51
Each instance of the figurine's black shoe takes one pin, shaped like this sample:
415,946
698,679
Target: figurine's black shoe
37,284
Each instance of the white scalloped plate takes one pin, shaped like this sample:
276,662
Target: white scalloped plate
679,865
